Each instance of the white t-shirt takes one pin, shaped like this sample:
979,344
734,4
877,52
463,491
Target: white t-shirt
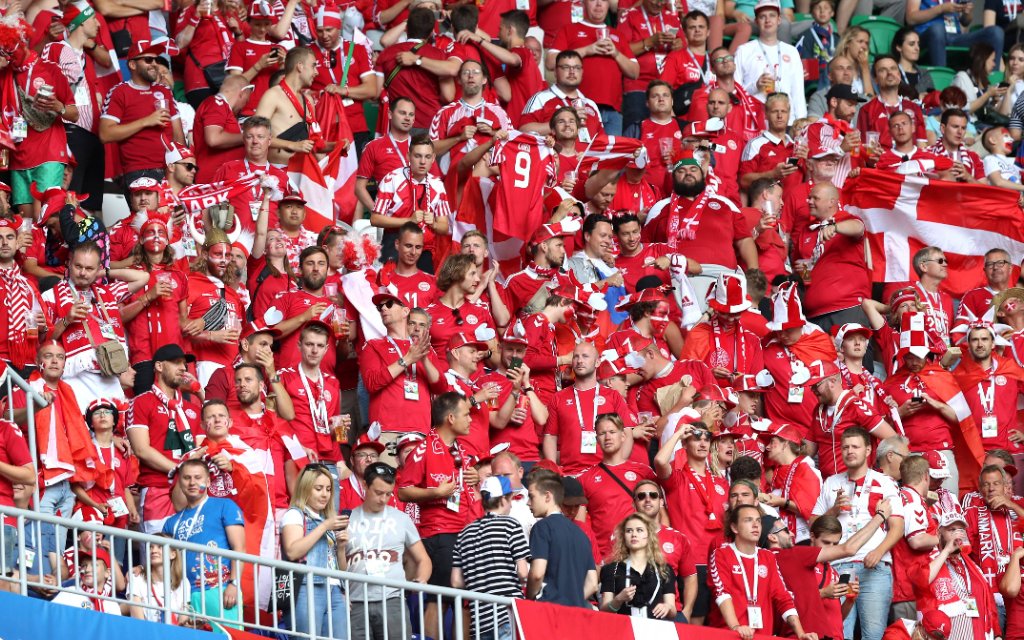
153,595
84,602
1005,165
864,495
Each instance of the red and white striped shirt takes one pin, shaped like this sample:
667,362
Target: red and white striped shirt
399,196
454,117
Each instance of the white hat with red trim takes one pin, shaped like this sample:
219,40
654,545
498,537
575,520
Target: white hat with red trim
730,294
841,333
787,308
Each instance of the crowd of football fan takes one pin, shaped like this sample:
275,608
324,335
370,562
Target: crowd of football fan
577,314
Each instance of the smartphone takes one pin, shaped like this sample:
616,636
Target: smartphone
917,400
844,578
346,512
515,363
1004,85
793,161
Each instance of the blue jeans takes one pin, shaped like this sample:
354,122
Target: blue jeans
935,39
338,612
634,111
611,119
57,500
872,605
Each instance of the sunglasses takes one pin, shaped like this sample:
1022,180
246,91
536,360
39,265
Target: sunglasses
189,166
147,59
457,455
315,467
647,495
700,434
939,260
458,317
721,59
778,531
381,469
387,304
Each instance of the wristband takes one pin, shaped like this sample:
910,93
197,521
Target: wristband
527,389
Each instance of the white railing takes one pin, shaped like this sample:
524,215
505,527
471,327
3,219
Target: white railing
408,595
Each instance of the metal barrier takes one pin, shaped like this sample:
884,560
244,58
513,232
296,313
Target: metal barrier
406,596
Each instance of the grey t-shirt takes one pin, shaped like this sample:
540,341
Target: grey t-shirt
376,544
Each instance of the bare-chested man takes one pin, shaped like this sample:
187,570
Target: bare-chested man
290,111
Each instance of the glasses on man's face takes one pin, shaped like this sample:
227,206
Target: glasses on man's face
778,531
366,455
570,67
387,304
103,412
997,263
148,59
938,260
721,59
646,495
188,166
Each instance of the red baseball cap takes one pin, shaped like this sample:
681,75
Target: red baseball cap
935,621
937,466
785,431
821,369
364,442
464,339
147,48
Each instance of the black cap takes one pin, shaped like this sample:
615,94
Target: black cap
573,491
844,92
172,352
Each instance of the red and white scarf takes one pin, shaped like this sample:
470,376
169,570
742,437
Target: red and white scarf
19,305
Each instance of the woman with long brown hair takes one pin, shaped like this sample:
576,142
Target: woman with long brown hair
636,580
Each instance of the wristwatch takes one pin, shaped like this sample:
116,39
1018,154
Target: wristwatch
527,389
275,380
402,363
419,61
473,402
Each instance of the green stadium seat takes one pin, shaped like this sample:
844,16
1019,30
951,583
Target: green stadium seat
882,30
941,76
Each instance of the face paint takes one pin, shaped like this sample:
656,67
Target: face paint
1007,143
1010,305
155,239
570,314
658,325
218,257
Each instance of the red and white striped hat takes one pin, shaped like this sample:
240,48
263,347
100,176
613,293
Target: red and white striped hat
328,16
788,311
730,294
515,333
914,335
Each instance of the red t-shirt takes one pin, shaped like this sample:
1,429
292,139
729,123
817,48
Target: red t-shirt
804,575
324,398
148,412
608,502
430,465
573,412
382,156
764,153
777,406
635,25
417,289
478,441
651,134
688,506
445,322
719,226
736,349
916,521
543,104
641,265
158,323
269,435
214,112
634,196
422,87
1004,406
211,42
453,118
202,294
840,279
541,354
602,78
700,378
13,451
678,555
244,55
731,575
331,70
827,430
295,303
127,103
874,116
524,81
554,16
395,410
926,429
50,145
523,439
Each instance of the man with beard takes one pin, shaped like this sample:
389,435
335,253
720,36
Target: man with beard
569,436
838,410
255,346
415,286
306,303
702,225
467,123
722,342
290,111
526,290
953,583
344,69
179,168
160,429
21,311
83,312
991,385
212,302
281,455
138,114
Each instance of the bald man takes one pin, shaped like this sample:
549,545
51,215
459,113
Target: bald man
830,254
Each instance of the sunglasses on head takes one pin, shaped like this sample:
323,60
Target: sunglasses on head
456,454
316,467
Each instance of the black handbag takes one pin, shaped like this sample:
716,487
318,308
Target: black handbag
214,74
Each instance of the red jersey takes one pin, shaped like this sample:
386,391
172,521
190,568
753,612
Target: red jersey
543,105
917,520
247,203
541,355
608,501
641,265
446,322
399,196
275,442
393,403
602,77
148,411
804,575
316,402
104,322
523,439
244,56
382,156
926,429
829,424
431,464
13,451
696,507
522,286
993,402
704,229
698,372
764,152
330,69
158,322
421,86
417,289
203,292
687,67
678,555
652,133
746,116
214,112
840,278
771,248
799,483
634,196
211,43
635,25
50,145
127,103
963,155
478,442
296,303
793,404
523,80
874,116
751,582
571,420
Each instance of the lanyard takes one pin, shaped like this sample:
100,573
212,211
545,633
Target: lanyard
703,70
302,109
195,520
402,355
987,392
647,21
579,410
751,597
398,150
778,57
319,412
1012,9
256,189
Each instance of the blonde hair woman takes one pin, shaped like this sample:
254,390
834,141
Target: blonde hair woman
151,591
314,534
636,580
